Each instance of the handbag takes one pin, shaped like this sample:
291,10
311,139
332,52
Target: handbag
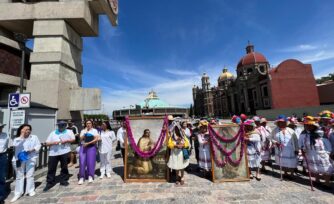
185,153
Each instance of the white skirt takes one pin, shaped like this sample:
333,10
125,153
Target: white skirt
176,160
319,163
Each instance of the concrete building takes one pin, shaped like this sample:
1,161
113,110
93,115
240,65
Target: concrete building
326,92
256,87
54,77
151,106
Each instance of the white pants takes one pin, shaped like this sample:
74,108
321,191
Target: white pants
105,162
27,168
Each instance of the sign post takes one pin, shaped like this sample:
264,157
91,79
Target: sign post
17,118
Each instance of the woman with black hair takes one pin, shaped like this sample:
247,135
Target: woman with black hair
107,137
26,148
317,150
179,155
88,136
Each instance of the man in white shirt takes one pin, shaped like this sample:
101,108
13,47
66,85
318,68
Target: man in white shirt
3,162
60,145
121,136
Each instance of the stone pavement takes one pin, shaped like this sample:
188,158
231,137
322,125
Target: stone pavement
196,190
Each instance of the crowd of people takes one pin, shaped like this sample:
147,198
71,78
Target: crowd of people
310,140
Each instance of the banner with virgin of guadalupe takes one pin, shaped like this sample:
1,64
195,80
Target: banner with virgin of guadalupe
146,149
229,161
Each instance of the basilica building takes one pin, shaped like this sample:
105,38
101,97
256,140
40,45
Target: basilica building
256,86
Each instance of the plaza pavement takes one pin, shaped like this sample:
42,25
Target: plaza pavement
196,190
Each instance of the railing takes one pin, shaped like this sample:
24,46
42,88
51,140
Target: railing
42,160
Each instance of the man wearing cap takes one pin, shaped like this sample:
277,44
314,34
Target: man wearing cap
286,145
4,139
60,145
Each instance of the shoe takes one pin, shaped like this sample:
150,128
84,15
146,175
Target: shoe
15,198
101,177
108,175
90,179
64,184
81,181
33,193
46,188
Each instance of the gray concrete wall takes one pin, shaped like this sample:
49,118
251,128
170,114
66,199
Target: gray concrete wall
271,114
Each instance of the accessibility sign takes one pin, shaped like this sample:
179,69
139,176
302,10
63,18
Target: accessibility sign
17,100
13,100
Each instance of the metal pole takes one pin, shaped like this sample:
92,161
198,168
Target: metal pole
22,69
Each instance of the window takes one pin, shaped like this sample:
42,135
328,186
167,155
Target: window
249,70
265,91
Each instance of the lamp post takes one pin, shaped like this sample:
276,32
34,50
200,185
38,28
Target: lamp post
21,38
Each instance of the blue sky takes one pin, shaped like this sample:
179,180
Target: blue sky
166,45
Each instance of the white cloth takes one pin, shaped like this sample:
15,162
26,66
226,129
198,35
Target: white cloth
176,160
92,131
26,144
317,156
253,150
285,155
107,138
121,136
4,140
105,162
27,168
265,142
204,152
57,136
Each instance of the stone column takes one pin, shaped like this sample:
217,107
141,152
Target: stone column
55,65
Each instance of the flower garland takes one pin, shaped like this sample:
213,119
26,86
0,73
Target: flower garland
224,139
155,149
227,154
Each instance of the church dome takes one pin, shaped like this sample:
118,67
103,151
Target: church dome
251,57
225,75
153,101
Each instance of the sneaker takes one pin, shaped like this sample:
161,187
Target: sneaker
64,183
33,193
15,198
108,175
101,177
81,181
90,179
46,188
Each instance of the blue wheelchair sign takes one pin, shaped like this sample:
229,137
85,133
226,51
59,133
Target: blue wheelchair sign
13,100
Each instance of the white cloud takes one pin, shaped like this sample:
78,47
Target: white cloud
299,48
181,72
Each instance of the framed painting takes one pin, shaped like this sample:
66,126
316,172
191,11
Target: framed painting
139,169
229,171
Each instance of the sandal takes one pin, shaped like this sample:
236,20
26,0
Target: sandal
251,176
258,178
177,183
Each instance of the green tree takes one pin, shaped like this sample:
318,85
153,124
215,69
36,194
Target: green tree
330,77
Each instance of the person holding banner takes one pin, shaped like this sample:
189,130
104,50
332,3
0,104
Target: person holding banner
4,140
89,136
59,142
316,150
179,156
204,148
26,148
253,140
286,145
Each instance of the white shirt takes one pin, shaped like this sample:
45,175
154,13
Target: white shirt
4,139
121,135
107,138
57,136
89,133
26,144
187,132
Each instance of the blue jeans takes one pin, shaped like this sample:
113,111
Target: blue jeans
3,174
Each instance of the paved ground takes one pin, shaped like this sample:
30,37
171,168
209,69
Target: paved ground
197,190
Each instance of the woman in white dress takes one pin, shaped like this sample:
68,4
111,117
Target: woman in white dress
286,145
203,138
265,142
178,159
317,151
253,141
26,147
107,137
